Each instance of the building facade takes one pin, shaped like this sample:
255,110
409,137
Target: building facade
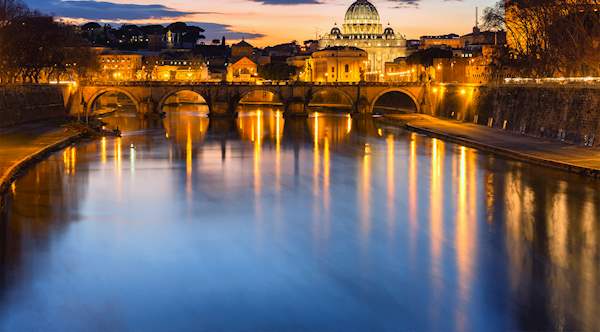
336,64
119,66
193,69
472,68
448,41
243,70
401,71
362,29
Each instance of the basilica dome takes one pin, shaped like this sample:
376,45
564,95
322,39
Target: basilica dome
362,18
362,12
362,29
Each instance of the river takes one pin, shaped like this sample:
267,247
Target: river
264,223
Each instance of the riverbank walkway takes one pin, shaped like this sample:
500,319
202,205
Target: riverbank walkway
513,145
24,144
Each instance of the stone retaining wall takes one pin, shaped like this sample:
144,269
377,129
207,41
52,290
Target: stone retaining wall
27,103
568,113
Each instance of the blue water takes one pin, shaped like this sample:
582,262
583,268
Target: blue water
271,224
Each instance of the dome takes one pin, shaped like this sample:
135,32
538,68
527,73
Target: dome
336,31
388,31
362,12
362,18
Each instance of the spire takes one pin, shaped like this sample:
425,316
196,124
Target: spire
476,27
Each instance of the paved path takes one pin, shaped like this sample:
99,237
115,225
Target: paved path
21,145
536,150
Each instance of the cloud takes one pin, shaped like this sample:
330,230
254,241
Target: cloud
405,3
413,3
117,14
217,30
288,2
101,10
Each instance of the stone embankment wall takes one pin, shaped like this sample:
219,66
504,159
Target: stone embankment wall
27,103
561,112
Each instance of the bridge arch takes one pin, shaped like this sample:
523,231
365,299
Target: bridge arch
92,100
170,94
331,97
269,96
396,99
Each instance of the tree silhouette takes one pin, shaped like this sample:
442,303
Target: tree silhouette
549,37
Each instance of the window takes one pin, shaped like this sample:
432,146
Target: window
333,69
346,68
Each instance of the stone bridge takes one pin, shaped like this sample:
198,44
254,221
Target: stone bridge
223,99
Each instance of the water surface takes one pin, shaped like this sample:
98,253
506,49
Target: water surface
271,224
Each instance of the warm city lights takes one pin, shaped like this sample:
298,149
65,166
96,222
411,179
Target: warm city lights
300,165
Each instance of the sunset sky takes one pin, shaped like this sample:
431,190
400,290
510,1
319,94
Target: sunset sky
265,22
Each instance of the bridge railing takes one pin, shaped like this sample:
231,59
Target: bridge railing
270,83
553,81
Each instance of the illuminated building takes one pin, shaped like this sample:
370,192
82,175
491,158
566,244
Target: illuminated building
119,66
400,71
362,29
243,70
180,72
470,68
180,67
470,58
336,64
444,41
244,49
478,37
244,63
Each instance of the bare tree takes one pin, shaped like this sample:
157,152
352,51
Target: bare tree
34,47
548,37
11,9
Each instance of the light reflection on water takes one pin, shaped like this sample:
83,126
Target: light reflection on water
265,223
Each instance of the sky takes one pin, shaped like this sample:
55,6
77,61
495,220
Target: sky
268,22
